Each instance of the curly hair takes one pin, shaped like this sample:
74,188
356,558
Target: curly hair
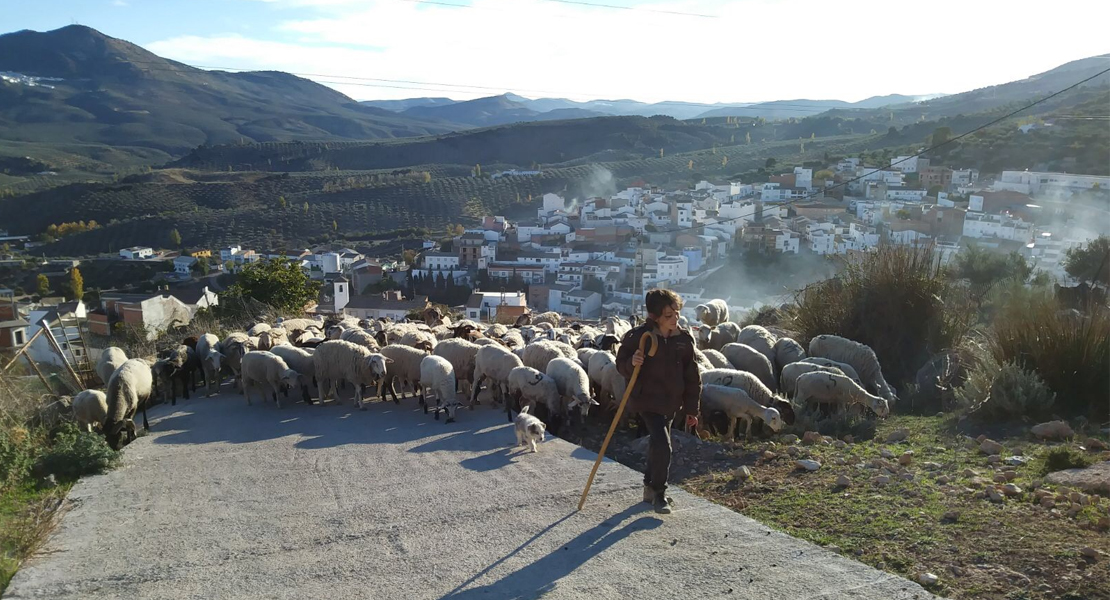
657,299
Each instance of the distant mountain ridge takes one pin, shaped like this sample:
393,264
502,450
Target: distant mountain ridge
109,91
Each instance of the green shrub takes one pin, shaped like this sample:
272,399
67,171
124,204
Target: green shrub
75,453
1064,457
839,425
1004,392
898,300
1069,350
16,455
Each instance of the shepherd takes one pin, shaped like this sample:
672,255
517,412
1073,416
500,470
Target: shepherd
668,385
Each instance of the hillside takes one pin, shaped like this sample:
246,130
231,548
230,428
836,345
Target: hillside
75,85
495,110
246,207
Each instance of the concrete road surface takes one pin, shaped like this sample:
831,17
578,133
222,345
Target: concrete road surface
224,500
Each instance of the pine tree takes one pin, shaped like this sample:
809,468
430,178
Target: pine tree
748,138
175,238
76,284
282,203
334,226
42,285
305,207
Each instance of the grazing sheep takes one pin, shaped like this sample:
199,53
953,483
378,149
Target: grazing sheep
745,358
257,329
129,389
715,338
108,361
829,388
736,404
302,324
206,343
177,364
462,355
573,384
534,389
361,337
792,371
539,353
713,312
740,380
551,318
702,360
759,338
513,340
827,362
860,356
421,340
264,368
613,387
608,343
496,330
493,363
233,347
273,337
404,367
584,354
719,361
615,326
437,374
300,360
210,368
90,408
787,351
336,360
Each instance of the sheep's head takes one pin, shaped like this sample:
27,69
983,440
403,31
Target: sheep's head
607,342
424,345
114,431
773,419
213,359
879,406
701,311
334,332
581,402
703,334
785,408
377,365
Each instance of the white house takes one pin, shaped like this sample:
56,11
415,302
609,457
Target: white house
980,225
183,265
803,178
583,304
905,164
435,260
905,194
226,254
483,305
1033,183
136,252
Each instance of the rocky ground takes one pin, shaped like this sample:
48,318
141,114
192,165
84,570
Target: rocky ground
969,517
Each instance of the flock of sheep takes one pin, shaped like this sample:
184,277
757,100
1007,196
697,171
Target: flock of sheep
556,368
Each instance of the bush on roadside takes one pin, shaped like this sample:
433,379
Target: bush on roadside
16,455
898,300
1002,391
75,453
861,427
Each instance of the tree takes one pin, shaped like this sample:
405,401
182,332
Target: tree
409,256
1090,263
823,175
334,225
76,284
305,208
43,285
748,138
478,170
175,238
983,268
282,203
940,136
934,190
278,283
427,177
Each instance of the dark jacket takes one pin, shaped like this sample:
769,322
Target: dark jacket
669,382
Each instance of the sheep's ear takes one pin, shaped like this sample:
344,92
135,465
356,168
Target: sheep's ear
593,402
572,403
388,360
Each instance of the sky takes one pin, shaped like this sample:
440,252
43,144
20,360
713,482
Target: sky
696,51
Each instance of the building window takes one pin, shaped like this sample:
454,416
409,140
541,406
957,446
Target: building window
18,338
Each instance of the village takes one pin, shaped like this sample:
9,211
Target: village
592,258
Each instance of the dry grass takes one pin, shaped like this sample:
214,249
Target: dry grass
27,518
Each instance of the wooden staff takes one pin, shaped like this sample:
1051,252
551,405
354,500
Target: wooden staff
616,419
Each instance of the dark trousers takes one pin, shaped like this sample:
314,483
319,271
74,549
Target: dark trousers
659,450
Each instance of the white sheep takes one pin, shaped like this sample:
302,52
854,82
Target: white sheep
615,325
584,354
791,373
736,404
266,370
513,340
496,330
361,337
741,380
437,375
594,368
257,329
493,362
533,388
759,338
829,388
541,352
787,351
90,407
613,387
551,318
233,347
129,389
272,337
860,356
715,338
108,361
713,312
206,343
702,360
300,360
302,324
404,367
745,358
719,361
573,384
828,362
422,340
462,355
336,360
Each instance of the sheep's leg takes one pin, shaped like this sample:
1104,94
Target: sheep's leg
424,403
394,393
321,390
731,428
358,398
146,425
474,391
274,394
747,428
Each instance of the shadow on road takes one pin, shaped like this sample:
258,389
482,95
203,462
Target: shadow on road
227,418
540,577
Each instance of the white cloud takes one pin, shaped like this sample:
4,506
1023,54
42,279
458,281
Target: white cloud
756,50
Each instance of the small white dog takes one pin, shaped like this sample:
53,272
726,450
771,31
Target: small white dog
529,429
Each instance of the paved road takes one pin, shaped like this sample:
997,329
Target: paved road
223,500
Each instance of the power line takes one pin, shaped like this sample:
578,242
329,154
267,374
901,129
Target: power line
419,86
922,152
